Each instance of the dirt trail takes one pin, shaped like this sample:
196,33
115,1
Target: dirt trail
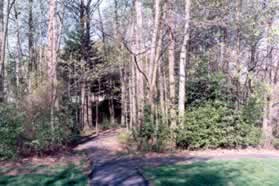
111,167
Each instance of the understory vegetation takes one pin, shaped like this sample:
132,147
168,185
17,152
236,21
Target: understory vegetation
177,74
211,120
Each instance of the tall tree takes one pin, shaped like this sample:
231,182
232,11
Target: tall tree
139,49
52,57
4,27
1,51
183,61
31,48
171,58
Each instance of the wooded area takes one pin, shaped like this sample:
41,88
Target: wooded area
175,73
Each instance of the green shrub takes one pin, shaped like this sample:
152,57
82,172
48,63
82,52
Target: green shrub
125,137
252,111
40,134
10,129
47,138
153,135
204,86
214,125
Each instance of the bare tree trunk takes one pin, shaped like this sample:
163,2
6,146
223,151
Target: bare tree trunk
97,108
123,95
1,51
153,63
52,56
85,27
32,61
84,107
111,104
270,97
162,93
133,97
238,52
183,61
18,52
267,122
171,57
122,66
126,98
3,41
89,109
139,77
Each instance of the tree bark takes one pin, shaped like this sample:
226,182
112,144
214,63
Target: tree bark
171,58
270,97
139,76
153,61
32,58
1,51
183,61
52,57
18,52
3,41
238,52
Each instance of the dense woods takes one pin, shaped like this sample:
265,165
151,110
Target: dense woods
175,73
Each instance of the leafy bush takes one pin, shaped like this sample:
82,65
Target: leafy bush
204,86
47,138
10,129
151,136
214,125
252,111
125,137
40,135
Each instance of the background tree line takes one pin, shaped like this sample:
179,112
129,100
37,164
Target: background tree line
183,73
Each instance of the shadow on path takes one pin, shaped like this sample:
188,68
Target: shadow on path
110,168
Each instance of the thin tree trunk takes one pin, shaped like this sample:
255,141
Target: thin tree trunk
89,109
171,57
84,107
111,104
133,94
52,57
1,51
122,66
238,52
139,77
183,61
97,108
3,41
32,61
153,63
269,111
163,111
18,52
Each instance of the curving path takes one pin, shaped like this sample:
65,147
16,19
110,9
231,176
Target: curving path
111,168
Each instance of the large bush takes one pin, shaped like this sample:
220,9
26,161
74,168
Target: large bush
40,134
204,85
153,135
215,125
10,129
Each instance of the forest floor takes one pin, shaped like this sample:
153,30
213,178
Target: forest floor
112,165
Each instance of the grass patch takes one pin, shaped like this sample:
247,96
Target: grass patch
252,172
59,176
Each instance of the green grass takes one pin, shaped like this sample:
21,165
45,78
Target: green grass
252,172
62,176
